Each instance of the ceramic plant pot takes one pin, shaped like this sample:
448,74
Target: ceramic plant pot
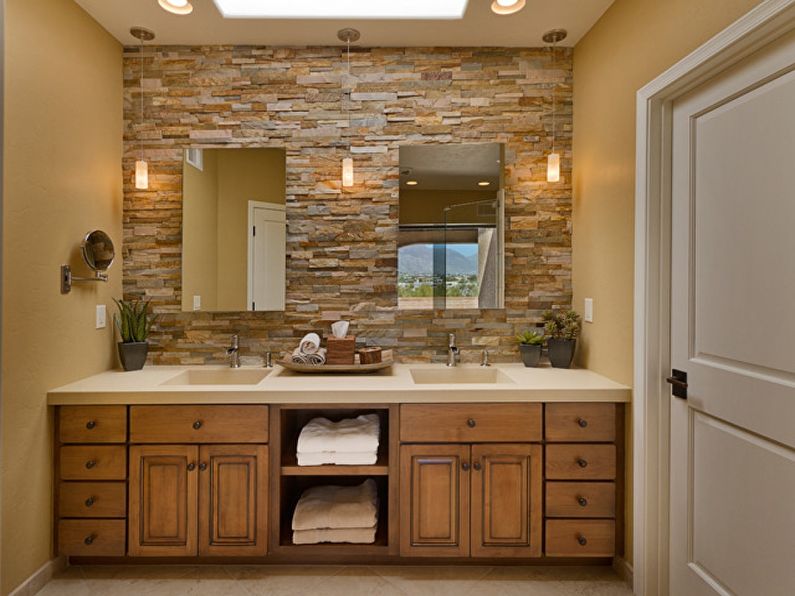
531,355
561,352
133,355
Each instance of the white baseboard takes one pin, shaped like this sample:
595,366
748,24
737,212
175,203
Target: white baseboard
40,577
623,569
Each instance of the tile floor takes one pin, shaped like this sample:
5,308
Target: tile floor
333,581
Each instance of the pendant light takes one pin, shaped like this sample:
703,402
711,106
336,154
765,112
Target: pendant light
348,35
553,160
141,166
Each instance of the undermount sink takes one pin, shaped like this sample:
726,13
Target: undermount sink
229,376
456,376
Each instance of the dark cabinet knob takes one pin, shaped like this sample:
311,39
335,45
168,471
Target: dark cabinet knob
581,540
477,466
582,422
471,423
582,463
197,425
582,501
90,464
90,501
202,466
465,466
89,540
191,466
91,424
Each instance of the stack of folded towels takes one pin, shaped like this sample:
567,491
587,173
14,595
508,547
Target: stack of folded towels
309,351
337,514
349,442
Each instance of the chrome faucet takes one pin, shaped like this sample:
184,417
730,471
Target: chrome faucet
453,353
484,358
233,352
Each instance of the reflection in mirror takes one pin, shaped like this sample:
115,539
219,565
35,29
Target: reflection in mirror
233,230
450,240
98,251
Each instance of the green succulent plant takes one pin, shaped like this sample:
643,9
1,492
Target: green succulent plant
530,338
133,320
562,324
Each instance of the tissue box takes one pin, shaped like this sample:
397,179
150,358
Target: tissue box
340,350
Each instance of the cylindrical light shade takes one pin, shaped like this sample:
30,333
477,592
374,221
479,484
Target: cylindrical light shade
553,167
141,175
347,172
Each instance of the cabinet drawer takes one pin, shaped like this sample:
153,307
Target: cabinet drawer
199,424
92,499
586,422
581,462
470,423
94,462
92,537
580,538
92,424
581,499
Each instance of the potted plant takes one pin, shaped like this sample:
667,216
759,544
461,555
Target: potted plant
562,328
530,343
133,322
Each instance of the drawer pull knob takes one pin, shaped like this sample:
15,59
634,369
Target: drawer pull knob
202,466
197,425
90,501
582,463
582,501
582,540
191,466
471,423
582,422
90,464
465,466
89,540
476,465
91,424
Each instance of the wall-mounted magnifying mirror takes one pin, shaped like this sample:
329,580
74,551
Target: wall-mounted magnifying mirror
98,253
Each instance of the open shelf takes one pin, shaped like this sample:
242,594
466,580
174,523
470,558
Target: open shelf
290,467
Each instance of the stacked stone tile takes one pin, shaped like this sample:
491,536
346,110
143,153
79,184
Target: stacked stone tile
341,243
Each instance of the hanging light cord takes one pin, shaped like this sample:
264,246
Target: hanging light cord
554,89
350,90
141,81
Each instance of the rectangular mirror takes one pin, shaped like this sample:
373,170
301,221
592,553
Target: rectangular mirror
233,230
450,238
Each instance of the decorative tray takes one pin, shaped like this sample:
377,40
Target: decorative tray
356,368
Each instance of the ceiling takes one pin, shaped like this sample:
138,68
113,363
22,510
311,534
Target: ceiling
458,166
479,27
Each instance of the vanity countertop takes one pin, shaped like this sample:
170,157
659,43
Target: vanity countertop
155,385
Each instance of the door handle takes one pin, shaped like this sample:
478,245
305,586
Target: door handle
678,382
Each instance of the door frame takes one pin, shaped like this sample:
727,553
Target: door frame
651,408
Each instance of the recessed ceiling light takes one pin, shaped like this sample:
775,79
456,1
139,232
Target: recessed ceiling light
503,7
176,6
411,183
348,9
484,183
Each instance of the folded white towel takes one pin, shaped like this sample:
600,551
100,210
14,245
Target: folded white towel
336,535
337,459
310,343
322,507
351,435
315,359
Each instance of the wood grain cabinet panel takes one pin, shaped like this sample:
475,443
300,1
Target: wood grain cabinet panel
199,424
580,422
163,500
91,537
506,500
434,500
92,424
470,423
233,510
93,462
580,462
92,499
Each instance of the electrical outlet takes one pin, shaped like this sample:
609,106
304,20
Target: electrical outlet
102,318
588,314
197,303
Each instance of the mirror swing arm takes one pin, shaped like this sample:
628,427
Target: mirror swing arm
67,279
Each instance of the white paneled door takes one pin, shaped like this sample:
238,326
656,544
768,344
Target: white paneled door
733,331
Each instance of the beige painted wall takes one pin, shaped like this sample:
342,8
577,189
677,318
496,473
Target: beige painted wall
63,128
633,42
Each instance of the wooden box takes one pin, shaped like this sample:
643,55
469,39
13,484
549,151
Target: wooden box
340,350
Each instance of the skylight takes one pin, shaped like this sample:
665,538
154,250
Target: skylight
342,9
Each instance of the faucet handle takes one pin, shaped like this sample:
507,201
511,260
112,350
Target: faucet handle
451,340
268,359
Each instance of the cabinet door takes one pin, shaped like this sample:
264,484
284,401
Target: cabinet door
434,500
233,509
506,500
163,500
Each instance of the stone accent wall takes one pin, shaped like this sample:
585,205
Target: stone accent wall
341,244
